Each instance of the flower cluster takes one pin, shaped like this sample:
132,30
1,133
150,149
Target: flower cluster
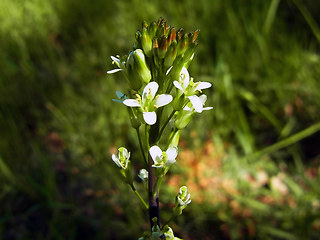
162,42
148,102
160,91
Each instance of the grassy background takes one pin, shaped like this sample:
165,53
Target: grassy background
252,163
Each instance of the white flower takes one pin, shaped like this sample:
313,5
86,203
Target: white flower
187,86
183,197
120,65
197,104
122,159
143,174
148,102
163,159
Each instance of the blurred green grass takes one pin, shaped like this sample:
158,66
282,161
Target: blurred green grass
58,123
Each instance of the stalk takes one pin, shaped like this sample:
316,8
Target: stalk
152,188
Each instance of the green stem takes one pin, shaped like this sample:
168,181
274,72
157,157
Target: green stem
167,222
141,147
166,123
147,128
139,196
153,198
157,185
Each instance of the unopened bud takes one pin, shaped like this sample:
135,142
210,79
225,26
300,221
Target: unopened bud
155,46
179,34
172,35
166,30
152,29
195,35
146,42
144,24
161,29
183,44
163,47
188,55
160,20
171,54
138,70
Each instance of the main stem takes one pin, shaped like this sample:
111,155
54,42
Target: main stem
152,188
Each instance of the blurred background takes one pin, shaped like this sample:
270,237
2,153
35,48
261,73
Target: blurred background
251,164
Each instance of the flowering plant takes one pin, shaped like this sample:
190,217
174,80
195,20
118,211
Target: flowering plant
160,91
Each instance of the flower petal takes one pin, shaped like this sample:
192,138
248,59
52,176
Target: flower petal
172,153
115,59
207,108
131,103
169,162
116,161
178,85
114,70
150,88
202,85
155,153
203,98
162,100
143,174
168,71
196,103
157,166
184,77
150,117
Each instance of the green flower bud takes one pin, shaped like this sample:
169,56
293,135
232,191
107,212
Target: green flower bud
194,35
171,54
179,34
146,42
188,55
138,71
163,47
152,29
155,46
144,24
183,45
160,31
172,36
